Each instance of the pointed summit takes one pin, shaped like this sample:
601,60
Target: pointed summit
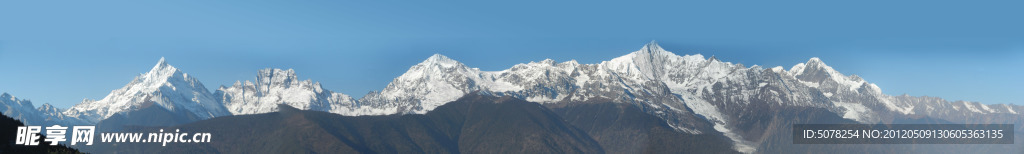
162,69
438,57
161,64
653,49
815,70
816,64
163,86
441,60
713,58
652,46
158,75
647,62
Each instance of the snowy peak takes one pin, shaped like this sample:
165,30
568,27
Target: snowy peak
436,66
20,109
51,113
649,62
161,70
274,87
440,60
813,71
47,107
164,85
652,51
276,77
161,74
429,84
9,100
23,110
5,97
161,64
276,72
816,62
652,47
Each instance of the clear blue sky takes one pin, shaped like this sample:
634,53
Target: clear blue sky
60,52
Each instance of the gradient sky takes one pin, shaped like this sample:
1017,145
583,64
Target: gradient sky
60,52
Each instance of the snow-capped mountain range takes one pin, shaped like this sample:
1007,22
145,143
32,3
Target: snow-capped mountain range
25,111
276,86
20,109
678,89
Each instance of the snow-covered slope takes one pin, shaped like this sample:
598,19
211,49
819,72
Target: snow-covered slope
667,85
426,85
164,86
20,109
276,86
54,115
24,111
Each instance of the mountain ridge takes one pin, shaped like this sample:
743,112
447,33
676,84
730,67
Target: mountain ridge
677,89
